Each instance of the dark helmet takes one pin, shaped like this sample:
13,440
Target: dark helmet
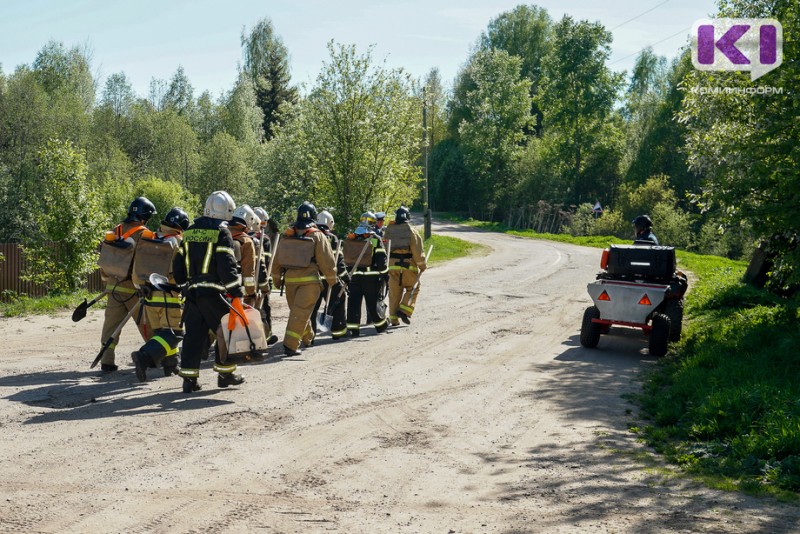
306,215
141,209
176,218
642,222
402,215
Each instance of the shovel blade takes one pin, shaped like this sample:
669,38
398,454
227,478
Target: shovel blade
80,311
322,324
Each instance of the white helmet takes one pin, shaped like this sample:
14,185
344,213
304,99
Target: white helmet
262,214
325,219
219,205
246,215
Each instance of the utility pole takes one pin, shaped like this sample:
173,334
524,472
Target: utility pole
426,206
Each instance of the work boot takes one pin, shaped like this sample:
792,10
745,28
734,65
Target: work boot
382,328
229,379
190,385
310,343
272,340
403,317
141,362
353,333
108,367
170,365
290,352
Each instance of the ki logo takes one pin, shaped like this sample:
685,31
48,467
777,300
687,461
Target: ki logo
754,45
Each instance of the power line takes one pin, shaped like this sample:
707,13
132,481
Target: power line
639,15
651,45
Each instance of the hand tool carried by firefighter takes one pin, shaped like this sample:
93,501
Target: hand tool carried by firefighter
273,250
380,306
416,286
80,311
258,266
116,332
323,323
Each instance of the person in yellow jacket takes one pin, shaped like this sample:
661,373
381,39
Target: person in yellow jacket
162,308
304,253
116,263
406,262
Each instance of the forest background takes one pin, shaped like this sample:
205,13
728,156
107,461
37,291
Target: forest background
535,131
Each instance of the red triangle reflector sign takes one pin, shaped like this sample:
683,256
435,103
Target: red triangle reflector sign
645,301
604,296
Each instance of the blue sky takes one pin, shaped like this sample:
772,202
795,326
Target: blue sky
150,39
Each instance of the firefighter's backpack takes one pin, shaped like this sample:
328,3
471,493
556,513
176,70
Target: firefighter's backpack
399,235
352,249
243,343
116,253
295,251
154,256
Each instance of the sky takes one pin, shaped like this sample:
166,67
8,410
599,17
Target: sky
149,39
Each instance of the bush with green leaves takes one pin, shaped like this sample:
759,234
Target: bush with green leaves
67,220
165,195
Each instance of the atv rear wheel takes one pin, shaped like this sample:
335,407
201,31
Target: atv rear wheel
590,331
674,310
659,334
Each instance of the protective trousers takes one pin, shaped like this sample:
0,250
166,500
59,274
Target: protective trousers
364,288
400,284
301,300
162,313
202,313
336,308
121,299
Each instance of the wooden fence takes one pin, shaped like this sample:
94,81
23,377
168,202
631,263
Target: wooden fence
13,265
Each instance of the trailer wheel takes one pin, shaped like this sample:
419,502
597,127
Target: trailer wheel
659,334
590,332
674,310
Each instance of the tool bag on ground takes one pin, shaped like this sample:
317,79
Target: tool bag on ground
351,249
117,251
295,252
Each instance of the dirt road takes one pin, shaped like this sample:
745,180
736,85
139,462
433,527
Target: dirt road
484,415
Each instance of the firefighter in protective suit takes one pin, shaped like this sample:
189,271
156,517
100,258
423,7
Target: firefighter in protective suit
116,262
303,254
162,309
262,239
244,249
337,305
366,278
205,262
406,262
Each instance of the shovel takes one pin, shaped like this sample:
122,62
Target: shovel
324,320
116,332
416,286
380,307
80,311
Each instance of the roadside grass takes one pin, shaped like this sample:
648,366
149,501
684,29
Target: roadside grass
449,248
724,405
24,305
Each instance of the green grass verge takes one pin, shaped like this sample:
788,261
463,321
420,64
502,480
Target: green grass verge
725,403
46,305
449,248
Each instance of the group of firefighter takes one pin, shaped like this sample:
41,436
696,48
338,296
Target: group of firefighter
179,282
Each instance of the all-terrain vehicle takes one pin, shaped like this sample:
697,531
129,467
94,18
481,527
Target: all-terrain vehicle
638,287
